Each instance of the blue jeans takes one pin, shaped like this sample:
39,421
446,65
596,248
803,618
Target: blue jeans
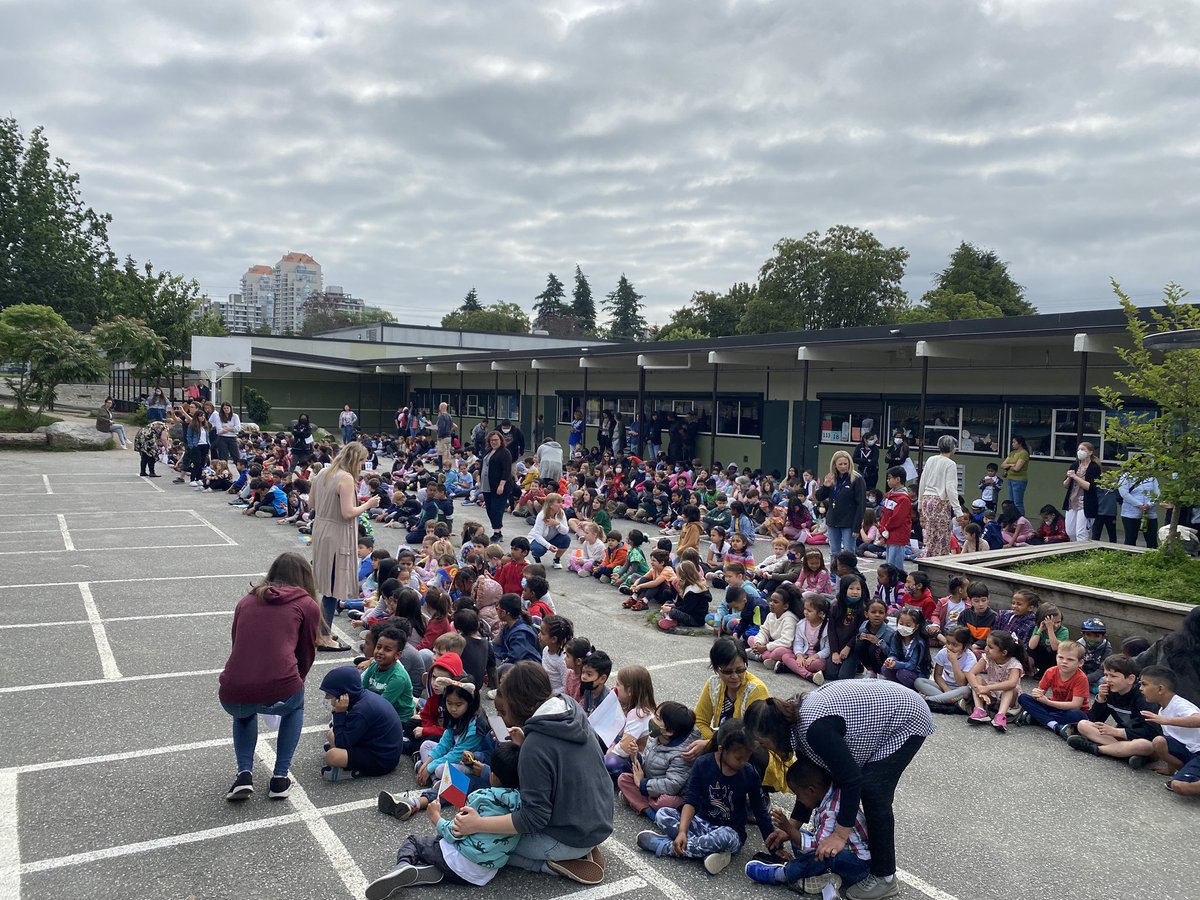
1044,715
895,555
703,837
245,730
119,431
328,611
347,433
1016,493
846,864
533,850
538,549
840,539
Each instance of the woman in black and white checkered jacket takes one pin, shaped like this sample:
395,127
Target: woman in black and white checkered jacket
865,733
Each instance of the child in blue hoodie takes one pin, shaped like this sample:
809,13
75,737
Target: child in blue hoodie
517,640
473,859
367,735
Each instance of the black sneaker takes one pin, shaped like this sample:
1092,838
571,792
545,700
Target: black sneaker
280,786
1136,762
1067,732
242,788
404,875
946,709
1079,742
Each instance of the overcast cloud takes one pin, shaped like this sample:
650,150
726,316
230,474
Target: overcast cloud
418,148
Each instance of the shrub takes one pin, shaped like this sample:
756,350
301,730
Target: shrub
257,407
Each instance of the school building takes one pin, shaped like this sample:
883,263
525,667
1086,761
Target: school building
773,401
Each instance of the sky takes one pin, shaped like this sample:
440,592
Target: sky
419,149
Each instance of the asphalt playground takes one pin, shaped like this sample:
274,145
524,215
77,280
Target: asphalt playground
116,596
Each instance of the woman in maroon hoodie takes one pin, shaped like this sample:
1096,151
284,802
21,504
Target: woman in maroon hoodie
274,643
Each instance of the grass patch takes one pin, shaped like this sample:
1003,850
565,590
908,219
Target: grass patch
1175,577
13,421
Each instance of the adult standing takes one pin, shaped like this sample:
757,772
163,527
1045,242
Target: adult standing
156,407
205,391
347,419
402,422
1139,501
566,793
604,433
864,733
675,438
575,438
332,496
939,497
446,426
274,641
147,444
302,440
1016,470
866,459
550,461
479,436
200,431
495,474
226,425
691,436
845,499
106,425
514,438
1081,502
619,447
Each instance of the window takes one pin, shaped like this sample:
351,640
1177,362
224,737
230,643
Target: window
739,417
1051,432
903,417
846,421
1036,425
474,407
980,429
976,428
627,408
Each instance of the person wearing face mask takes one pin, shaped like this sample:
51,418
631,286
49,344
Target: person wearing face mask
1080,504
593,680
897,451
660,772
866,459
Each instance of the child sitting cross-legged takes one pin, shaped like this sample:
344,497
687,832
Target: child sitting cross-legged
1119,698
806,872
430,859
691,608
367,735
1177,749
1061,697
723,791
779,628
466,730
660,772
995,681
948,686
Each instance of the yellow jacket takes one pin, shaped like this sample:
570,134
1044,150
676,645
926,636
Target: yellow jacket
708,720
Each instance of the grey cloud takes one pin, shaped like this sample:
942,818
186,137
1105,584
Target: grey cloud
419,149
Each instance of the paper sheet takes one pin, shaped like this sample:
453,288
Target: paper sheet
607,719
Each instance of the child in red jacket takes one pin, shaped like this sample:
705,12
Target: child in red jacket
1054,527
895,520
448,665
510,573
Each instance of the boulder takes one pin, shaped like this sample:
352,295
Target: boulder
23,439
77,436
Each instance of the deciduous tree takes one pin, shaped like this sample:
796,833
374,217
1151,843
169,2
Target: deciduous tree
945,306
54,354
501,318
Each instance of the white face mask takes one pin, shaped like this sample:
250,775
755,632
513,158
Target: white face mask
897,441
872,442
1081,455
905,630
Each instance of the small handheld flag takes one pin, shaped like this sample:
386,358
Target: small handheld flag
453,787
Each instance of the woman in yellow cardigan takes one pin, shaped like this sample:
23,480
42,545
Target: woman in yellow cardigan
726,695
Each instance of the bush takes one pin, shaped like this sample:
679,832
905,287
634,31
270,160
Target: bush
257,407
12,420
1156,574
140,416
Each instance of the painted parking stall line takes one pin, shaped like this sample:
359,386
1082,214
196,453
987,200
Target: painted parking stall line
108,662
46,483
68,544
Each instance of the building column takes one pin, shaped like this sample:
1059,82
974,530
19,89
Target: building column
643,421
712,447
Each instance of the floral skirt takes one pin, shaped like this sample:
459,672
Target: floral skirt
935,526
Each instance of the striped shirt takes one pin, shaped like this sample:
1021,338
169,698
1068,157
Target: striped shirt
824,821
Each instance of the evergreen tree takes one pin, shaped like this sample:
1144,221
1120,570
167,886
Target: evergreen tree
625,306
471,302
982,273
583,307
551,302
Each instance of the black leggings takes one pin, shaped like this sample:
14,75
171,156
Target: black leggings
1131,527
1105,523
494,504
148,462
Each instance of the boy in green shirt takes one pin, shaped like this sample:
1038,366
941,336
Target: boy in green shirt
384,677
1043,643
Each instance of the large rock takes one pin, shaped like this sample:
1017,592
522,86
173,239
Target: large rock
23,439
77,436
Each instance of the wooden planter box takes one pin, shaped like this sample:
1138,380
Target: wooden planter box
1125,615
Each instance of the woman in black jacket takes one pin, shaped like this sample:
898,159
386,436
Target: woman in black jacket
1081,503
844,497
866,458
302,440
495,476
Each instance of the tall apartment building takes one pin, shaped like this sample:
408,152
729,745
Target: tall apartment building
297,277
340,301
241,316
258,290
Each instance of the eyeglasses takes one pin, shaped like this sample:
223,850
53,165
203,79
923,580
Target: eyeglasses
732,672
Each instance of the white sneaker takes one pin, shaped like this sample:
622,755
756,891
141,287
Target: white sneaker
557,564
818,680
715,863
491,695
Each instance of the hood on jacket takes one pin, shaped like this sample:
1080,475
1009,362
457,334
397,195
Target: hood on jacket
553,444
343,680
561,718
451,662
277,595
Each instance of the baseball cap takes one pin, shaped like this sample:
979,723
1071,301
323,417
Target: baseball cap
978,504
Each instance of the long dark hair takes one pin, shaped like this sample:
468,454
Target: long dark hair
1182,649
774,719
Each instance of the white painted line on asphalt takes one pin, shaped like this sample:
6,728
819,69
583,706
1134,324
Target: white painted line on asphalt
176,840
32,531
108,662
126,679
923,886
679,662
339,857
144,752
637,862
146,479
216,530
601,891
10,846
73,549
66,536
353,806
188,615
126,580
77,529
46,482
